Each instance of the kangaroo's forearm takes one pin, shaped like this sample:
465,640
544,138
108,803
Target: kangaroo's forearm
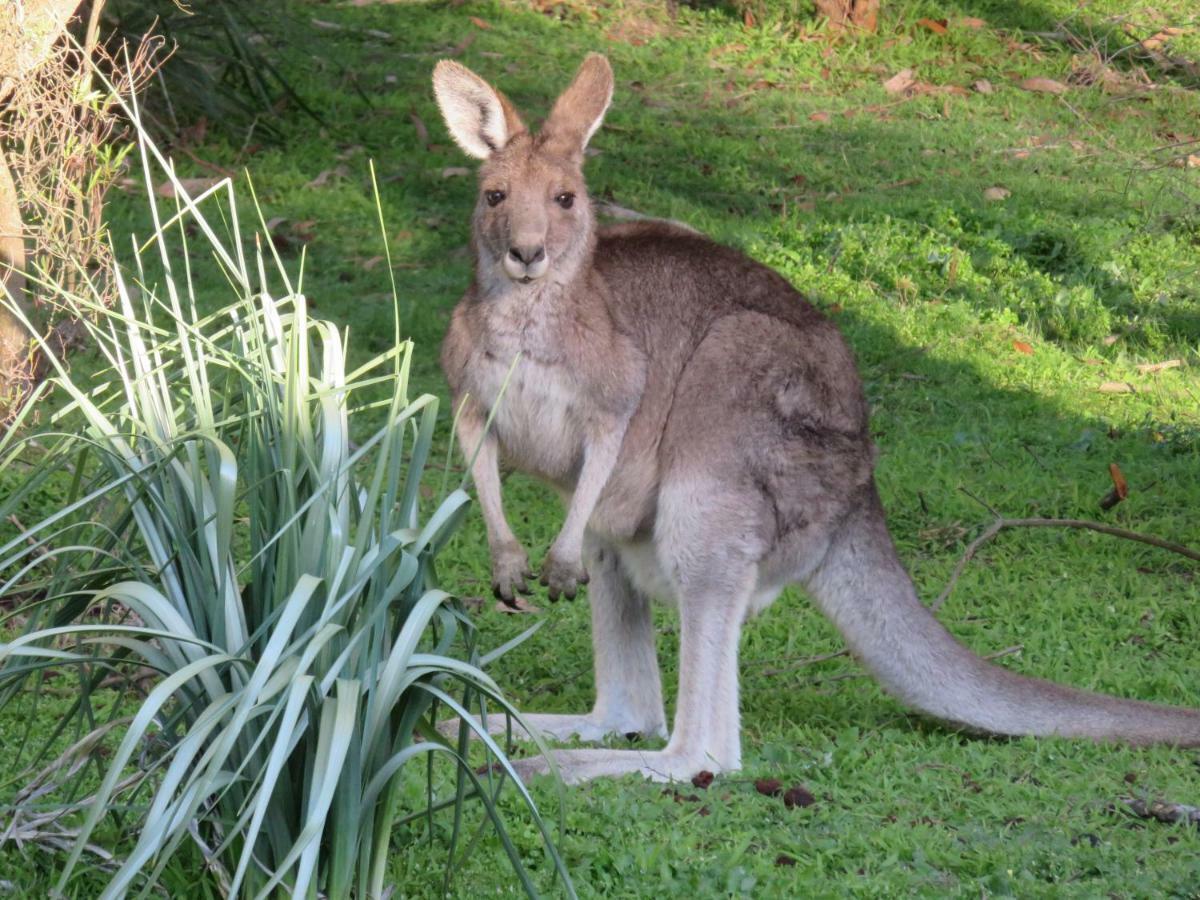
599,460
480,449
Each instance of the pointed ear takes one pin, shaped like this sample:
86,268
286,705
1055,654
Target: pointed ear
580,110
480,118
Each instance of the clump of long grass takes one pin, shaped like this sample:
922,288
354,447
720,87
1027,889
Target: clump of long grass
269,580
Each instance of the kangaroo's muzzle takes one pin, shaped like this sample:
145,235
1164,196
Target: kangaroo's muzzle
526,264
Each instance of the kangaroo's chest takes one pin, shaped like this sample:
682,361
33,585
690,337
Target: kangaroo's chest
537,410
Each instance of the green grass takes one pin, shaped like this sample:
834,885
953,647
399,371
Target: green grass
789,147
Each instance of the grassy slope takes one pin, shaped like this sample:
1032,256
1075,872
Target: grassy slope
873,205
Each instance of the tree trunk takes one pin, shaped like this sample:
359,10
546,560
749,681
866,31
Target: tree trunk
14,339
28,30
842,14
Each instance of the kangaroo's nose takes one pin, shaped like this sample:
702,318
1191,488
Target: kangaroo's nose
527,255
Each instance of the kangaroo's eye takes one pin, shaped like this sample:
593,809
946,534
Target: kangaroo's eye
494,198
566,199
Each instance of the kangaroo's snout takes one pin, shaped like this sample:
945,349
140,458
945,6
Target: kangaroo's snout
526,263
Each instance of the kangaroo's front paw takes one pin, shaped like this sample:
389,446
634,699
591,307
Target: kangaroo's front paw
510,571
562,576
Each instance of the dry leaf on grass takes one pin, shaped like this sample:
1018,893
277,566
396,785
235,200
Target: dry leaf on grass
996,193
324,177
193,187
1120,489
937,26
819,117
1043,86
519,606
1157,40
983,86
480,23
368,265
971,22
900,82
461,47
1191,161
419,126
1116,387
1149,368
1118,480
1022,347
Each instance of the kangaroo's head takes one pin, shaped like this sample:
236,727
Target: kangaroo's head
533,219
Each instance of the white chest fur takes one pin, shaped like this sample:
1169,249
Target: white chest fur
521,374
537,415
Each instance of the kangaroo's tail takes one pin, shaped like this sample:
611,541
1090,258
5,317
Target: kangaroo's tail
866,592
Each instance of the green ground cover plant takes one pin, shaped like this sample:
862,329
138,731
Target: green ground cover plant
1008,263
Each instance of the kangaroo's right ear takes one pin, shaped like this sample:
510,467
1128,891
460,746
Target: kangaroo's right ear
480,118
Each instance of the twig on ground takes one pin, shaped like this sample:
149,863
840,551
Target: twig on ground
982,503
1001,523
801,661
845,676
16,523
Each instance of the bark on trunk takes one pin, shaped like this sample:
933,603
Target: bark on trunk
14,339
842,14
28,31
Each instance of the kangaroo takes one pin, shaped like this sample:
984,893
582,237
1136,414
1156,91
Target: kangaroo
707,430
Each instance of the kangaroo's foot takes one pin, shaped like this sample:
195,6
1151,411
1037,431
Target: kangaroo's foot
575,766
589,728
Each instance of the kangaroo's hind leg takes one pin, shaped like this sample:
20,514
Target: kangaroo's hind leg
715,575
628,685
706,728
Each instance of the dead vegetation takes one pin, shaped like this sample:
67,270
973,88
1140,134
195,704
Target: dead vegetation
61,149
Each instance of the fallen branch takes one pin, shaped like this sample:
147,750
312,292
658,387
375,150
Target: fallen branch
1162,811
1001,523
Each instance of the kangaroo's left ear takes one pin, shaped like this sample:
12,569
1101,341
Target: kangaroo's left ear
580,110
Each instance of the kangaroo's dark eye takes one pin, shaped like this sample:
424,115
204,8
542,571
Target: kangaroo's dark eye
494,198
566,199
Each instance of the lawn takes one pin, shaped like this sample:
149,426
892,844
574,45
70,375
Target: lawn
1009,265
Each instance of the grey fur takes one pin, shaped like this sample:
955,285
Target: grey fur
707,429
